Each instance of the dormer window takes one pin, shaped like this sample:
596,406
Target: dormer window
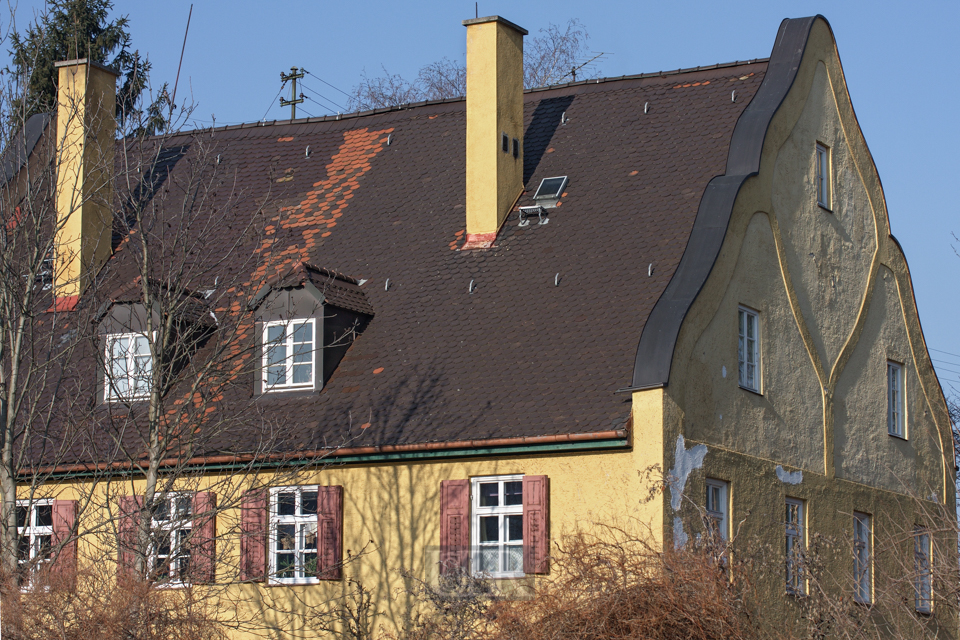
288,354
129,367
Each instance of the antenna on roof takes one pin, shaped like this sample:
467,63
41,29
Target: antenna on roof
173,100
476,9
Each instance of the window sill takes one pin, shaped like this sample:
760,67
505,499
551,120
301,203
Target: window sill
755,392
291,582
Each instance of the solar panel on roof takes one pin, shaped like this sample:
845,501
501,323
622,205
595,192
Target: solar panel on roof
551,188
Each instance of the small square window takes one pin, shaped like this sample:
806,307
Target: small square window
516,148
128,367
923,574
795,546
718,508
748,350
505,142
824,181
497,526
895,426
288,355
293,535
862,558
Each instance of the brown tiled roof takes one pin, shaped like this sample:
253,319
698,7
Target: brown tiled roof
549,329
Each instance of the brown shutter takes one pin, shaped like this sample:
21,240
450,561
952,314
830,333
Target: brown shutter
329,533
253,536
454,526
536,519
203,562
130,507
64,537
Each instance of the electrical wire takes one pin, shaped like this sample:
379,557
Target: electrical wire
315,102
272,102
326,83
312,90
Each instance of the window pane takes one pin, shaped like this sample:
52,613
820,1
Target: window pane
163,544
490,529
489,494
513,558
161,511
44,515
276,354
488,560
285,565
302,352
303,332
275,333
309,564
276,375
22,516
302,374
141,346
23,548
286,503
513,492
309,503
287,537
310,536
515,528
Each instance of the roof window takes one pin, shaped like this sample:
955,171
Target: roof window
549,191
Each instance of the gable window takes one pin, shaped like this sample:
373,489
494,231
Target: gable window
718,517
34,536
172,523
862,558
923,576
497,527
293,535
748,349
128,366
795,546
895,399
823,176
288,354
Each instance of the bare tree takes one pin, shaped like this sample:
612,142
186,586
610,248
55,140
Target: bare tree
556,55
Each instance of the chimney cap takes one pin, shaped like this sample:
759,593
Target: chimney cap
473,21
88,62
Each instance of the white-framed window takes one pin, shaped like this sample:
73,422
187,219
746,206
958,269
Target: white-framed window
128,366
923,572
34,537
718,508
862,558
748,349
795,532
824,182
895,399
293,535
497,526
288,354
171,524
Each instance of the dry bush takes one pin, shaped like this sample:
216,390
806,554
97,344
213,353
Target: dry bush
614,584
100,607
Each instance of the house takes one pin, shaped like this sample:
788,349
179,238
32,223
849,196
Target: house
467,326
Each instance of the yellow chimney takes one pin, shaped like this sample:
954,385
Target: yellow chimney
494,125
86,132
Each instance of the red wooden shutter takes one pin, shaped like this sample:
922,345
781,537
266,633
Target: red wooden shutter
329,533
253,536
454,526
64,533
130,507
203,562
536,519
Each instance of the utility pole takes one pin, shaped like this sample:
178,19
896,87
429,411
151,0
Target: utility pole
294,75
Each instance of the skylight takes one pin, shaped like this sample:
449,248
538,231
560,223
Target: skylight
551,188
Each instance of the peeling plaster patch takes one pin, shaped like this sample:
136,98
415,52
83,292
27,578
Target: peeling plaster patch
679,535
685,461
723,370
790,477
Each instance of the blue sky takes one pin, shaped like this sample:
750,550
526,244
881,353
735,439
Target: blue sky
897,58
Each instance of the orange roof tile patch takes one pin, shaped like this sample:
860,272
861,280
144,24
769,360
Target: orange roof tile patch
285,139
633,173
365,425
378,370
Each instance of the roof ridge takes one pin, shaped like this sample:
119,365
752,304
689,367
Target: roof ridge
426,103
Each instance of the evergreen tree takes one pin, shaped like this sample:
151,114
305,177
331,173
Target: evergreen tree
72,29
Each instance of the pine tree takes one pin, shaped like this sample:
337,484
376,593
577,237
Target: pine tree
72,29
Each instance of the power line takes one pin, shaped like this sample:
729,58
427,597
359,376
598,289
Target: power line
327,83
272,102
946,352
341,107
